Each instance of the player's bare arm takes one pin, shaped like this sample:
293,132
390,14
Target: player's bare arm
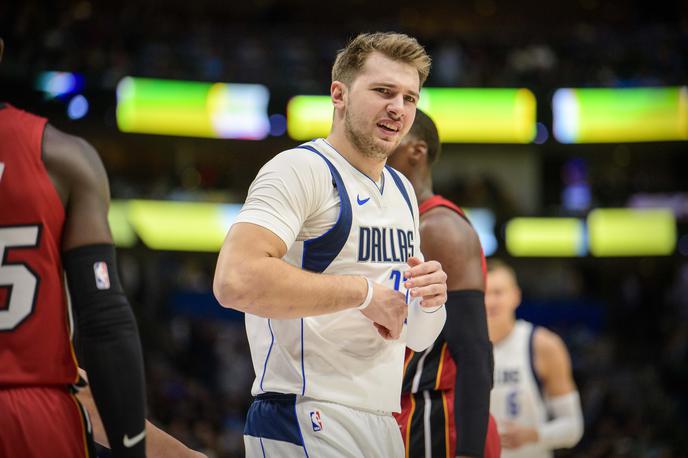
552,363
252,277
450,240
81,181
553,366
110,345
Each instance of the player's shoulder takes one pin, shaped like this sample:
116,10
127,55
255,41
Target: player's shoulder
61,146
547,343
444,223
71,158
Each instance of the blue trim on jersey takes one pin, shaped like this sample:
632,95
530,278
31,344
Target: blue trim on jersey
261,446
265,365
531,358
273,416
303,367
303,443
402,188
318,253
380,188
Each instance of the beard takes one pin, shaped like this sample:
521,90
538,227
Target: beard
366,144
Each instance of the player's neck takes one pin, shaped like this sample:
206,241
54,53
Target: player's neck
423,188
501,331
367,165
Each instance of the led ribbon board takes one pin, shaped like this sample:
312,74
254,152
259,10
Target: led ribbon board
462,115
620,115
193,109
467,115
632,232
181,226
545,237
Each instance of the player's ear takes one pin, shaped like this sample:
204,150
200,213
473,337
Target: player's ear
337,93
419,150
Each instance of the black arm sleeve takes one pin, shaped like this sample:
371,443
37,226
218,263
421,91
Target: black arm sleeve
110,348
470,347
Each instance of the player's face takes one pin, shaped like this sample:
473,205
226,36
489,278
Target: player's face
502,296
381,105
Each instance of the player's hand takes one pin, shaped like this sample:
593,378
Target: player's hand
426,280
387,310
513,435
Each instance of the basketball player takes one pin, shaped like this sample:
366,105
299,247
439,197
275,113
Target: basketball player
446,390
54,200
321,259
534,399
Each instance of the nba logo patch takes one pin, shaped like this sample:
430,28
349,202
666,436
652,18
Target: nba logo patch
102,277
316,422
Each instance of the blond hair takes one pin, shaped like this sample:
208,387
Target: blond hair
396,46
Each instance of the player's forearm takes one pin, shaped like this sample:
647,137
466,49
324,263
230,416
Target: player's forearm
161,445
272,288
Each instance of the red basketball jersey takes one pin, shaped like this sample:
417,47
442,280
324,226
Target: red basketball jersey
35,340
434,372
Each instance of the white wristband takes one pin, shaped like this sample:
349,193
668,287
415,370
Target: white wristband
369,295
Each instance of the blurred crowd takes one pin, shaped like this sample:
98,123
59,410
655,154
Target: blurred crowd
481,43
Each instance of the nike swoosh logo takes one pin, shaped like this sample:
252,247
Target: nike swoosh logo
130,442
361,201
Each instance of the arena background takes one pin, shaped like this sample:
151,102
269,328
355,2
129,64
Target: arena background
615,286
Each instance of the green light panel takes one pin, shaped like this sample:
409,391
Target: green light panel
545,237
309,116
632,232
620,115
462,115
192,109
181,226
467,115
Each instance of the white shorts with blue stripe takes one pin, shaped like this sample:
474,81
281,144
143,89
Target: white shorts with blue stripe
287,425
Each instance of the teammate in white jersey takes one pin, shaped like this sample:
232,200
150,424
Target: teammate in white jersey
323,259
534,398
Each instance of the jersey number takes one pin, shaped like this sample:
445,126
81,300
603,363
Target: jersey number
512,405
18,277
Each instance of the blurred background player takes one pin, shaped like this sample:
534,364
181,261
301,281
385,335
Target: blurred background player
446,390
54,200
319,258
534,399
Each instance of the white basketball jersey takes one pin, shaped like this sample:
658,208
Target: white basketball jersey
516,395
349,225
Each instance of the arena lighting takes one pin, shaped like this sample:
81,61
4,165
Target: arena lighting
462,115
122,232
193,109
481,115
59,84
632,232
181,226
545,237
77,107
620,115
309,116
